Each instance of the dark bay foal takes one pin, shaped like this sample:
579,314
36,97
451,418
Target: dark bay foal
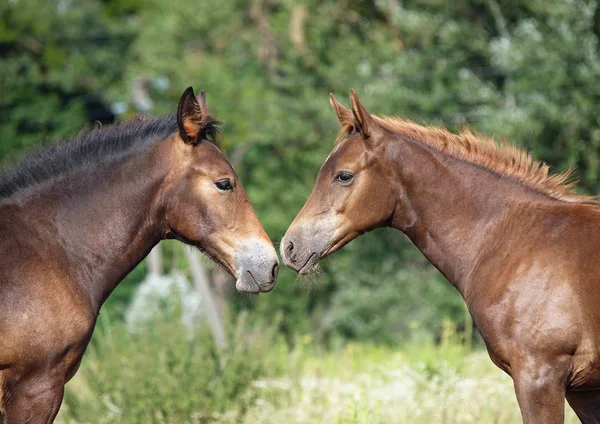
520,247
77,217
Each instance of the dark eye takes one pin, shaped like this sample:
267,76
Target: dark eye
224,185
344,177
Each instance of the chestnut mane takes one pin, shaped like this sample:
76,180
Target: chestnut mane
501,157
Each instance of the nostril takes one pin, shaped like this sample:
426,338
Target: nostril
289,248
275,271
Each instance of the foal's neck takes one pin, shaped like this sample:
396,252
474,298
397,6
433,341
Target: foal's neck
106,218
451,209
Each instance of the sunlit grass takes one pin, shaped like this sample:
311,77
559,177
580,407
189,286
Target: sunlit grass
366,384
162,376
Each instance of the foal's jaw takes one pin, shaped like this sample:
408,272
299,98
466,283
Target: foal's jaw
339,242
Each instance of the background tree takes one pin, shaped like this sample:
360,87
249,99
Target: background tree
526,71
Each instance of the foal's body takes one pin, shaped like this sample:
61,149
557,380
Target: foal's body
58,267
68,237
527,267
523,251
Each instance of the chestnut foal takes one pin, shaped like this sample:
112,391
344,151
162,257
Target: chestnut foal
520,247
77,217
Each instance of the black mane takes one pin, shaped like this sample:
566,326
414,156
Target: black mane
89,147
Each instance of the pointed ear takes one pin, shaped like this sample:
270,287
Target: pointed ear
193,118
189,117
365,123
201,99
343,113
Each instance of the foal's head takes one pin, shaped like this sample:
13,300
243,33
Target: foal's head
353,193
206,206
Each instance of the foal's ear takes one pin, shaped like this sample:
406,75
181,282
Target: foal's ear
193,118
343,113
365,123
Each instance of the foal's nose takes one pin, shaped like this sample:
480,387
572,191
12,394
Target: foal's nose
268,286
289,251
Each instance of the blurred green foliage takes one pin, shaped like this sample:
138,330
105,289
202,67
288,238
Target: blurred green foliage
525,70
165,374
56,59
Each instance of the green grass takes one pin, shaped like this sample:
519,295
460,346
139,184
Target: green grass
166,375
370,384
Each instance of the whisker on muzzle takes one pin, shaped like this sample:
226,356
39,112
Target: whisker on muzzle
313,281
246,299
277,246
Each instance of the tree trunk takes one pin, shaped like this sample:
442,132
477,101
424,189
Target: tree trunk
155,265
202,284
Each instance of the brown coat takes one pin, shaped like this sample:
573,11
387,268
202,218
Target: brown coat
75,220
521,248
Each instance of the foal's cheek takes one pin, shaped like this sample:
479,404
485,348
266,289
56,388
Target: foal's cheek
202,188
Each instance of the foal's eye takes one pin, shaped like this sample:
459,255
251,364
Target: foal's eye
224,185
344,177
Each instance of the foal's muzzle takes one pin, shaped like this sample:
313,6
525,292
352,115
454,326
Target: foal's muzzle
257,267
299,255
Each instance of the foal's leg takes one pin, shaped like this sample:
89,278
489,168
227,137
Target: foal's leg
540,392
586,405
34,402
